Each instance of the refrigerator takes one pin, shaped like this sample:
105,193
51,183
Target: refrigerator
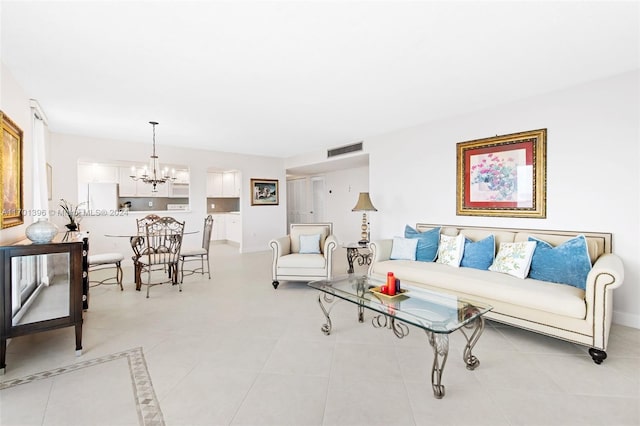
100,198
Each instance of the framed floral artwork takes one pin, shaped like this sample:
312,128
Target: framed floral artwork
503,176
11,172
264,192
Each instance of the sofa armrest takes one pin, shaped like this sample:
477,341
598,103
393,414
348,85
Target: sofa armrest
380,251
280,246
330,244
606,274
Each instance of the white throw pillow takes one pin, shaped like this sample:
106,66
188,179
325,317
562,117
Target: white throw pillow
310,244
404,248
450,250
514,258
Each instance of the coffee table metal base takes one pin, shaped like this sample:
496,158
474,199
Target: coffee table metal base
438,341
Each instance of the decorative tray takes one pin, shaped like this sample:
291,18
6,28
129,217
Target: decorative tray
377,292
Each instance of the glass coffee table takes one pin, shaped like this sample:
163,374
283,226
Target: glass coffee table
438,314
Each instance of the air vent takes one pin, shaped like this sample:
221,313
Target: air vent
344,149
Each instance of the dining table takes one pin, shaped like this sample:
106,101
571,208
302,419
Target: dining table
137,271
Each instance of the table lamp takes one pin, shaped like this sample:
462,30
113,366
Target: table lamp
364,205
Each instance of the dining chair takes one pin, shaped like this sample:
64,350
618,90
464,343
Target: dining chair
139,243
198,254
106,261
159,247
142,223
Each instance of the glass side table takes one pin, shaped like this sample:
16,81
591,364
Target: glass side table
358,252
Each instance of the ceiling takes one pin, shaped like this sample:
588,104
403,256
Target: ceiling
287,78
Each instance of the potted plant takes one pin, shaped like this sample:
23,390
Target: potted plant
73,213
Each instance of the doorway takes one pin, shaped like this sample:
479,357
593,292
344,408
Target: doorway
305,200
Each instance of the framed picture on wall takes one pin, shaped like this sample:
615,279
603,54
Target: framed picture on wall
264,192
11,173
503,175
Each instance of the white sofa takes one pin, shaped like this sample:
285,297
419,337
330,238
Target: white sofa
558,310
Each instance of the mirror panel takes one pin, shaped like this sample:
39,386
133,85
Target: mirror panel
40,287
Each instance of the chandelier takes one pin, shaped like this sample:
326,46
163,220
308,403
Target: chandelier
152,174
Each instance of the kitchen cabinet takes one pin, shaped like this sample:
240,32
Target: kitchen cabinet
182,177
102,173
230,184
178,190
223,184
233,224
137,188
219,231
126,185
214,184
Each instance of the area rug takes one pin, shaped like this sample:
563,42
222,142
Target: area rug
149,413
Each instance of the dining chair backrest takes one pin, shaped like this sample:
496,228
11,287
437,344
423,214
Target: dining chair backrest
142,223
164,239
206,233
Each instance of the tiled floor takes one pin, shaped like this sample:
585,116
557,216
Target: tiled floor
234,351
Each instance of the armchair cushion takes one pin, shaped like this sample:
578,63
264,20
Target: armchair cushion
307,229
310,244
298,260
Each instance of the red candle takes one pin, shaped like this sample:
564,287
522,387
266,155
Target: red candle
391,284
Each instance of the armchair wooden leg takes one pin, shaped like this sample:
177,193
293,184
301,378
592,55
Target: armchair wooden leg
275,284
597,355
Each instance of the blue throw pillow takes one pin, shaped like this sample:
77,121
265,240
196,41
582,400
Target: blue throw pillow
427,243
479,254
568,263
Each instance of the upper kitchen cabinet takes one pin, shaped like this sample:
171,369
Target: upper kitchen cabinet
223,184
214,184
137,188
182,176
95,172
229,186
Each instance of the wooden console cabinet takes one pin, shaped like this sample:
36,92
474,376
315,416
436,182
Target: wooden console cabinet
44,287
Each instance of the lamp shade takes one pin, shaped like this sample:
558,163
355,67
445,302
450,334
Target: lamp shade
364,203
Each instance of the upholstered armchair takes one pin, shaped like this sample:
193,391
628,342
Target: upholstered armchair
305,254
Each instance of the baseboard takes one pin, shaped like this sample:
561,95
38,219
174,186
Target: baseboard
626,319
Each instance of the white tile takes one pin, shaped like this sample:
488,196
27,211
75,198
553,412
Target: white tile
367,401
282,399
209,395
101,394
25,404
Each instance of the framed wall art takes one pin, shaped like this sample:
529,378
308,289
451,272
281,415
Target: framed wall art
264,192
11,173
503,176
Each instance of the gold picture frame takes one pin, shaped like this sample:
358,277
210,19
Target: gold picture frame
503,176
264,192
11,173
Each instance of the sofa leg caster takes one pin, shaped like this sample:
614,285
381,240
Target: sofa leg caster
597,355
275,284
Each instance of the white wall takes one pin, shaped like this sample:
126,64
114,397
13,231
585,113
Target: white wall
260,223
342,188
592,170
